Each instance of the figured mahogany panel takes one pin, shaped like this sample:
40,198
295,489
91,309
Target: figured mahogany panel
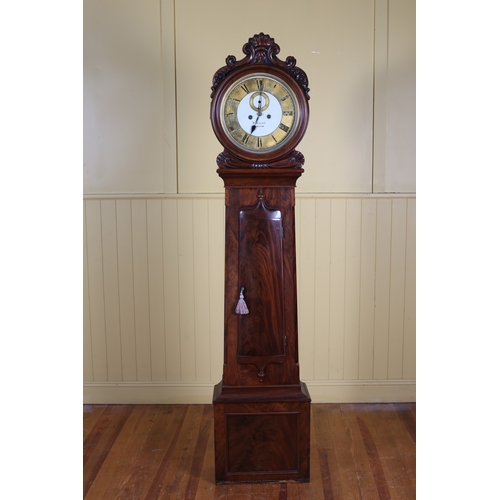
266,442
262,441
260,256
261,332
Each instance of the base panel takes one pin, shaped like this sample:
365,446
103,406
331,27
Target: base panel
262,441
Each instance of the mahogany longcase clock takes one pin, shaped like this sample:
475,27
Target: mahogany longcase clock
259,113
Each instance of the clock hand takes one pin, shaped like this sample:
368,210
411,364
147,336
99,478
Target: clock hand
259,114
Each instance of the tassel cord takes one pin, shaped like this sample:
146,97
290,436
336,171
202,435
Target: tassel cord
241,307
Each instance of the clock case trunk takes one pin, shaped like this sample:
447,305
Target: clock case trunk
261,408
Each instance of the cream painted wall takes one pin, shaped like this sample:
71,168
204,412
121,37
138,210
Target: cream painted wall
153,204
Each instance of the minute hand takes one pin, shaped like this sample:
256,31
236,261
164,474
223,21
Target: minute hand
259,114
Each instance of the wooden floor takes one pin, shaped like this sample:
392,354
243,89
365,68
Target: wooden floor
148,452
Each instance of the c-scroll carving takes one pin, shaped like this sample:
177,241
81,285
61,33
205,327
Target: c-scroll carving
262,49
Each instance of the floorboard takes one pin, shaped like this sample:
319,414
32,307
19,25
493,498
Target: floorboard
155,452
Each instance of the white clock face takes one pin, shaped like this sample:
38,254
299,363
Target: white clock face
259,113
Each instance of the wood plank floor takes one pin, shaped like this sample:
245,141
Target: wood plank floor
150,452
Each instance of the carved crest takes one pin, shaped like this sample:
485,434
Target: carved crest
261,49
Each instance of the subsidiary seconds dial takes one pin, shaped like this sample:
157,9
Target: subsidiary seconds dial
259,113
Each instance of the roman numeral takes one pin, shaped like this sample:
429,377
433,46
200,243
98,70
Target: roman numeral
287,113
284,127
245,139
260,84
245,88
259,142
285,98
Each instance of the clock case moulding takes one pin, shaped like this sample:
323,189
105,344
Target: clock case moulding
261,408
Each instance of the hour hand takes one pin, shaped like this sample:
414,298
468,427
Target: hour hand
254,126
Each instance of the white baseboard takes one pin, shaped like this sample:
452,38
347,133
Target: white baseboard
362,391
321,391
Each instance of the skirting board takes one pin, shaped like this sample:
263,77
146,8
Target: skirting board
321,391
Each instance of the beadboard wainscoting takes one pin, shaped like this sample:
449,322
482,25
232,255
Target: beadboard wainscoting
154,293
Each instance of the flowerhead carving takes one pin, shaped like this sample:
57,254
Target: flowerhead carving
261,49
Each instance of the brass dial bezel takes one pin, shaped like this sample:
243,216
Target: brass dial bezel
278,136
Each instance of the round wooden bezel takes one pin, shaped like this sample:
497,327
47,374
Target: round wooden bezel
255,156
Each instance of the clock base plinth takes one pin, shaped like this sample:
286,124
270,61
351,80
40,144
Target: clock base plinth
262,434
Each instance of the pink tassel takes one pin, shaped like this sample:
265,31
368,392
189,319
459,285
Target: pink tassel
241,308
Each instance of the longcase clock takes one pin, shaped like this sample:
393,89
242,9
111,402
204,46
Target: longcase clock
259,113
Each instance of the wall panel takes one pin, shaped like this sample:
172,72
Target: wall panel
148,67
154,235
87,335
338,212
394,153
126,288
352,288
186,288
169,87
335,48
201,286
306,214
155,289
367,286
397,289
110,283
154,303
322,289
171,289
141,289
409,339
382,288
96,297
216,249
125,91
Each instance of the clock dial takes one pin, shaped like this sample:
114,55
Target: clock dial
259,113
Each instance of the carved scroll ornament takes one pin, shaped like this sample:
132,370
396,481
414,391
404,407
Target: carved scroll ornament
261,49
